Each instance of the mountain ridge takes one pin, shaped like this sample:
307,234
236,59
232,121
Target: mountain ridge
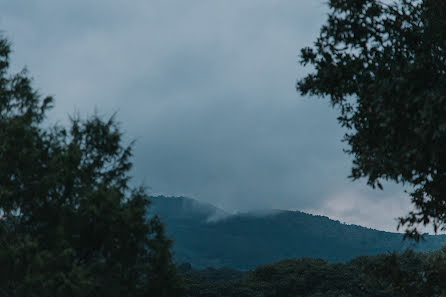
207,236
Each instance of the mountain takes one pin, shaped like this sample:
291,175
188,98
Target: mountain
206,236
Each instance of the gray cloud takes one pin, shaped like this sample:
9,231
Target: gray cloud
207,89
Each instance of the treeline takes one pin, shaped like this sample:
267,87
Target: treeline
387,275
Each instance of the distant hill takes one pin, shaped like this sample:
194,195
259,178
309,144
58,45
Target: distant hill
206,236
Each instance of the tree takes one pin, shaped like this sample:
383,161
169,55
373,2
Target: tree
70,224
383,65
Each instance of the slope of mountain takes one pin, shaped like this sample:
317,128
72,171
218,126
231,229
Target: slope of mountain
206,236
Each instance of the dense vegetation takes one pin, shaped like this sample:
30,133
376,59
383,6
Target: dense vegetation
388,275
382,64
70,224
206,236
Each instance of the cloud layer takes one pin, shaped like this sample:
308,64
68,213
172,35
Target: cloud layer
207,89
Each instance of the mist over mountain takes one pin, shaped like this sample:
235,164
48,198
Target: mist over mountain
207,236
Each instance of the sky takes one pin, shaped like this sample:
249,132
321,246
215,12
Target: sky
207,90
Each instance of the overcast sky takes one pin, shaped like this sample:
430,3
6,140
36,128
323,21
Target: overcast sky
208,90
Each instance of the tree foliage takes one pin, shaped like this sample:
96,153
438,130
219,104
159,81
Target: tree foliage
384,66
386,275
70,224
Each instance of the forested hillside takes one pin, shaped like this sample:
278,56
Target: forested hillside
207,237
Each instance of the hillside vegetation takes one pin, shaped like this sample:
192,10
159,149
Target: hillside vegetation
387,275
206,236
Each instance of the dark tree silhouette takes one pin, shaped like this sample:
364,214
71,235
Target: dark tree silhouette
384,66
70,224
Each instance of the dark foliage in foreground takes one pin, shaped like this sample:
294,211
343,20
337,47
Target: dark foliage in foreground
388,275
383,66
70,224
